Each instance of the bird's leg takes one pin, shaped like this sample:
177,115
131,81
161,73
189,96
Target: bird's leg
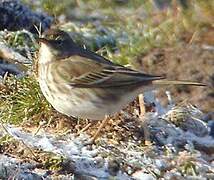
143,119
103,123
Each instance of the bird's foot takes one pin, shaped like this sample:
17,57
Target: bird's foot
97,133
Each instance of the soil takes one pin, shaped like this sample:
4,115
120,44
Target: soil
194,62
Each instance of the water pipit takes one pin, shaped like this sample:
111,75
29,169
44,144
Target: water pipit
78,82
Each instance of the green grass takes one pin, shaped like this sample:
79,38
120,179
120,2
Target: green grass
22,101
122,37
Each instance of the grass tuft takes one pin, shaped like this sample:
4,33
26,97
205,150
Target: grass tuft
21,101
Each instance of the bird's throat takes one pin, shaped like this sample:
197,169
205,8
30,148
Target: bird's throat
45,54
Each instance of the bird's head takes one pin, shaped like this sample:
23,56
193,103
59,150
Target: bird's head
57,43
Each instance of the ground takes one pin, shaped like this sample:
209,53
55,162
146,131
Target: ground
38,142
185,62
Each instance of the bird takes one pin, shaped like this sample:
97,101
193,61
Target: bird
80,83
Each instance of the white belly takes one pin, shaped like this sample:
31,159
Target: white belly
92,108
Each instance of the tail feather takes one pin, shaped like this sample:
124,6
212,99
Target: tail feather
175,82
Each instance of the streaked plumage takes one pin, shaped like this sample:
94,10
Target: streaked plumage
78,82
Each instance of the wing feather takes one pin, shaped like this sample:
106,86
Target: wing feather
86,73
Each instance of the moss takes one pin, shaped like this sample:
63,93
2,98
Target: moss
5,139
52,161
188,168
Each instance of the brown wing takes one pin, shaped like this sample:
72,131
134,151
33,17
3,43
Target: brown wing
83,72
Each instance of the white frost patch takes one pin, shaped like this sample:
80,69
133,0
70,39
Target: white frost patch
140,175
70,147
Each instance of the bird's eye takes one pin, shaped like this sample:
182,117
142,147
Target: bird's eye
51,37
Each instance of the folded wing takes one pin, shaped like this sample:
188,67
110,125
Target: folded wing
87,73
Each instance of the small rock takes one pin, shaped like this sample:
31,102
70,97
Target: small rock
10,69
212,129
16,16
140,175
27,176
84,177
113,167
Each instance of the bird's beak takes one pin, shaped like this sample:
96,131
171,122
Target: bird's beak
43,40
